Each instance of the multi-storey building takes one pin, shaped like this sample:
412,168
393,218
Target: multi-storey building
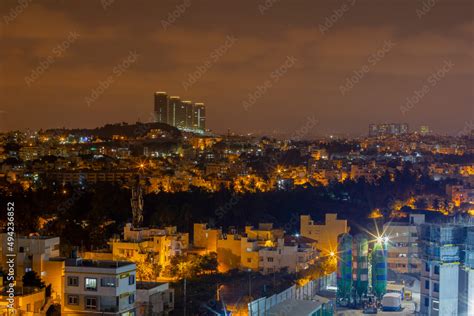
200,116
154,298
325,234
32,253
28,302
80,286
92,177
392,129
205,237
291,253
188,110
403,251
162,244
184,115
174,104
161,107
265,249
98,287
447,273
180,114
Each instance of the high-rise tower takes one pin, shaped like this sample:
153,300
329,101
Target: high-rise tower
161,107
174,105
200,116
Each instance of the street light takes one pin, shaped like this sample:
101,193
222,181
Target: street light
218,296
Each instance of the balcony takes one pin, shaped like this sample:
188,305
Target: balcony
109,309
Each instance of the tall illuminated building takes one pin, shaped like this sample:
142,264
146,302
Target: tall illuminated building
188,107
200,116
161,107
180,115
425,130
174,104
184,115
393,129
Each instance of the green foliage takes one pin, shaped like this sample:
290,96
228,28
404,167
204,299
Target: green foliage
191,265
31,279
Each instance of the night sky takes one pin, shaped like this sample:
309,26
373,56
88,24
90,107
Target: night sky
344,63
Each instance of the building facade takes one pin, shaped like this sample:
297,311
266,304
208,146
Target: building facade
403,250
99,287
185,115
447,275
325,234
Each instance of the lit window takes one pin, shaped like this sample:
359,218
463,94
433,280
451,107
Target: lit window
90,284
108,282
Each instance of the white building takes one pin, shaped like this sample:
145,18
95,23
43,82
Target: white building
98,287
447,275
291,253
403,252
154,298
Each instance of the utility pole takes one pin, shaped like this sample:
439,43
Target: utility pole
184,296
250,284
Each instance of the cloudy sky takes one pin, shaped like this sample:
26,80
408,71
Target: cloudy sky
259,66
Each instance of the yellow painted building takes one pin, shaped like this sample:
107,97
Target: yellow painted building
27,302
160,243
205,237
237,252
325,234
264,232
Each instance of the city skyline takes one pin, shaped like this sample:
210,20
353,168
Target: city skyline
346,63
183,114
202,158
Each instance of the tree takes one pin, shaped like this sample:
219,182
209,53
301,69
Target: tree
189,266
31,279
208,262
421,203
148,269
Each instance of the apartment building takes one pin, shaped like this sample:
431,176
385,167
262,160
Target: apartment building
264,232
403,251
98,287
154,298
265,249
325,234
205,237
290,253
27,302
138,243
447,274
235,251
32,253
